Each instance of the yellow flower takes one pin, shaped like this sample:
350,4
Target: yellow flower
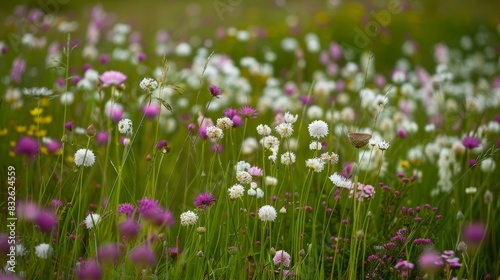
404,164
43,150
12,154
44,102
36,111
21,129
3,132
41,133
70,159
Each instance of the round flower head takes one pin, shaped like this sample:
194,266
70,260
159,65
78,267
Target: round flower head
383,145
92,220
288,158
27,146
89,270
236,191
358,140
282,258
224,123
289,118
471,142
84,157
340,181
215,91
248,112
125,126
204,200
43,250
285,130
109,78
189,218
148,84
316,164
267,213
263,130
318,129
214,133
143,256
243,177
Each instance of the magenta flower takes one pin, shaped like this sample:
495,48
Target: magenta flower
17,70
165,217
237,121
89,270
129,228
102,138
108,253
430,261
216,148
112,77
126,208
53,146
282,258
255,171
149,208
248,112
204,200
215,91
230,112
471,142
143,256
46,221
161,144
151,111
68,126
474,232
27,146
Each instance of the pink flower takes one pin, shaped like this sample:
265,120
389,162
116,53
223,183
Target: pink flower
112,77
282,257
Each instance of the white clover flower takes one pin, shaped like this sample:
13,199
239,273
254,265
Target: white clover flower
224,123
148,84
332,158
243,177
263,130
236,191
340,181
242,166
271,181
92,220
84,157
43,250
125,126
315,146
289,118
214,133
189,218
67,98
318,129
288,158
267,213
285,130
316,164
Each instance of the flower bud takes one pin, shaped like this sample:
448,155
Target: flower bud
91,132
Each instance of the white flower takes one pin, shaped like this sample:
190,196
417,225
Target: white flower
43,250
285,130
84,157
242,166
236,191
148,84
125,126
340,181
488,165
92,220
332,158
283,210
189,218
251,192
260,193
214,133
318,129
316,164
267,213
224,123
270,142
67,98
20,250
263,130
288,158
271,181
315,146
243,177
289,118
383,145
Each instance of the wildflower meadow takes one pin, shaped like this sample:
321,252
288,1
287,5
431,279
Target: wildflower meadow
249,140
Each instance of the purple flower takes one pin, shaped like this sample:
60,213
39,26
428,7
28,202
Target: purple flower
46,220
474,232
174,252
89,271
141,57
53,146
27,146
17,70
108,253
255,171
204,200
471,142
282,258
230,112
112,77
215,91
149,208
305,100
237,121
165,217
142,256
126,208
402,133
430,261
161,144
405,265
151,111
129,228
216,148
68,126
104,59
56,203
248,112
102,138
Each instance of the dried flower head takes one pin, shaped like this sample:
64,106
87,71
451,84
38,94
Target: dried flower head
358,140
